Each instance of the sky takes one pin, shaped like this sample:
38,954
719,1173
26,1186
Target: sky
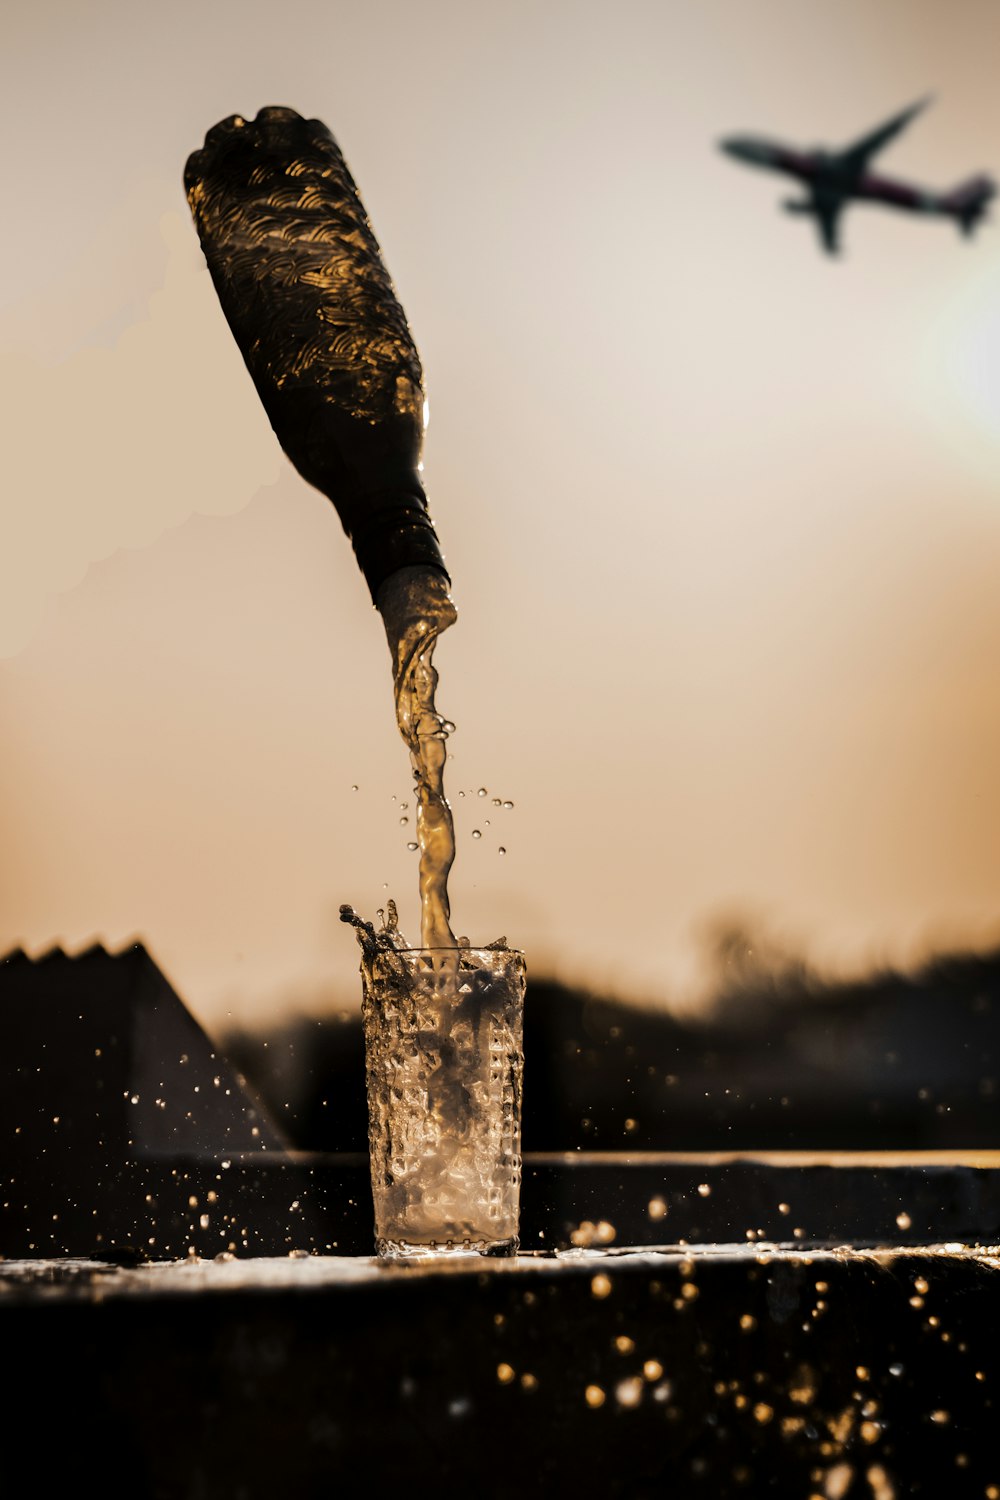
722,515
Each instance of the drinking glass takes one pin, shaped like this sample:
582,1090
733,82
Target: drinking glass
444,1064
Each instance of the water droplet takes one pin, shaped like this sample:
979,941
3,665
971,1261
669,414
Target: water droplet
403,821
508,804
476,833
354,787
501,850
461,794
628,1392
481,792
497,802
411,847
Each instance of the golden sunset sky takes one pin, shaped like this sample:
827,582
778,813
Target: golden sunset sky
722,515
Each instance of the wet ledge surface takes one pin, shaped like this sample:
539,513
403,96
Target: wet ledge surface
704,1370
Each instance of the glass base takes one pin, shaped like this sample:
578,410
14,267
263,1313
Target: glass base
444,1249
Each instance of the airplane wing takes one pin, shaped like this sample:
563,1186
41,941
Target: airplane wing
855,158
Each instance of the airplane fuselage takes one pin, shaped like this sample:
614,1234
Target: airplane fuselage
824,175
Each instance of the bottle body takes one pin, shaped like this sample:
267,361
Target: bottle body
303,285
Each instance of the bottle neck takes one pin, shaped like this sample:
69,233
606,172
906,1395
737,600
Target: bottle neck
391,530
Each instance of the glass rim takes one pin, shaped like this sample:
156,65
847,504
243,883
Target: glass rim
458,948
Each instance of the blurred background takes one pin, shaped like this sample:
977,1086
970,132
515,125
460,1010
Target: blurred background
722,514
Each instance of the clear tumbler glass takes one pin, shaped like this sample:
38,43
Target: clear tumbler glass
444,1063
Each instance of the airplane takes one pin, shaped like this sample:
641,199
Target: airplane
834,179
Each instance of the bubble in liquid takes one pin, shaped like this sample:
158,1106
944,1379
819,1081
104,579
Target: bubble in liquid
412,848
501,850
497,802
354,787
403,821
508,804
481,792
476,833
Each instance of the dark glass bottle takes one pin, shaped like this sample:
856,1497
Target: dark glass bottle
302,283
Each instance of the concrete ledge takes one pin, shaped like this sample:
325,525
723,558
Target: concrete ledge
711,1371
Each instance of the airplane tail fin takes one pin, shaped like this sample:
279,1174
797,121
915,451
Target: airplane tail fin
969,201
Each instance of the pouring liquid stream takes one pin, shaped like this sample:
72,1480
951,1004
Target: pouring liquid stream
416,607
425,732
